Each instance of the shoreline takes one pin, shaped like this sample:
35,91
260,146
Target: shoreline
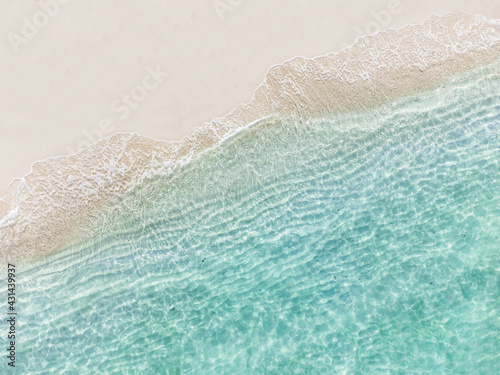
73,95
54,205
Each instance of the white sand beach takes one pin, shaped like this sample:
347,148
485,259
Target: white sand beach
75,72
122,67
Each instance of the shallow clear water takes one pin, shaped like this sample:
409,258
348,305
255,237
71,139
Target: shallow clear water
363,243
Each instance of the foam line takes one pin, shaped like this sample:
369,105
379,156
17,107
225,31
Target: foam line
54,205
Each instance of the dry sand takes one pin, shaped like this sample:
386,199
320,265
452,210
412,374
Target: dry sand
56,204
65,65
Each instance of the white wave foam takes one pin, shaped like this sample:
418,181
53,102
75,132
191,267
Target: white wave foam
54,204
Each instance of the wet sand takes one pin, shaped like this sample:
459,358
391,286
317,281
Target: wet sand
64,80
54,205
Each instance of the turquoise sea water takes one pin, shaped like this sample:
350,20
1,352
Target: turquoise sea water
361,243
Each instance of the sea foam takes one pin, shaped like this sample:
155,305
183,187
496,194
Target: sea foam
57,202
